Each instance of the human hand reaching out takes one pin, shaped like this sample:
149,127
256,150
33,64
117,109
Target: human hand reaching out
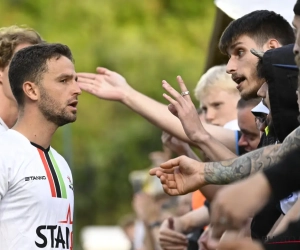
105,84
181,175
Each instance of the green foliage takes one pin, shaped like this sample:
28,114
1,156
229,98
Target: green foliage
146,41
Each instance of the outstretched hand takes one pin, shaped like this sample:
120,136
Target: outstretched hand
183,107
104,84
181,175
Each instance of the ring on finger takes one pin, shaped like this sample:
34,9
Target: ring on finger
185,93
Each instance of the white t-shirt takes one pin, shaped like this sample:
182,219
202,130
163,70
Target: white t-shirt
3,126
232,125
36,196
287,203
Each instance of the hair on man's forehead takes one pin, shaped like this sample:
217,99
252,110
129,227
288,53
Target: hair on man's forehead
260,25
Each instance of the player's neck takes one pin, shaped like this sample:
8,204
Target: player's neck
8,110
35,127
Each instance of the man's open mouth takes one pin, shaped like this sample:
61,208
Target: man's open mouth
73,103
238,80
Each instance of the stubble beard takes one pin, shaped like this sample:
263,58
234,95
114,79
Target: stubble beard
53,113
253,86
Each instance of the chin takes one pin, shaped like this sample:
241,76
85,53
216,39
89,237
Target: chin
248,94
65,120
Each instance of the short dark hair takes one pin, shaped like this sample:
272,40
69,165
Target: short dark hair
30,63
260,25
242,103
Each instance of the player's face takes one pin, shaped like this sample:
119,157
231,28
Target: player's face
59,92
4,81
242,66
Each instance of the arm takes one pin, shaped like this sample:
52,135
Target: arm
194,219
183,148
110,85
183,108
177,146
292,216
229,171
183,175
238,201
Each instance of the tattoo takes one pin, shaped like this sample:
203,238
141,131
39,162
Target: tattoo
225,172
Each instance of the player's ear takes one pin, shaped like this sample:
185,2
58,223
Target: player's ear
31,91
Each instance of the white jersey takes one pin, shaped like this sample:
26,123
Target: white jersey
36,196
3,126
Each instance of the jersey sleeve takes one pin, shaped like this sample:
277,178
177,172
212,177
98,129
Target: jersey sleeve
3,179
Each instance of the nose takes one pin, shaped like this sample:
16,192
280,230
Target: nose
77,89
242,141
262,92
296,46
210,115
231,66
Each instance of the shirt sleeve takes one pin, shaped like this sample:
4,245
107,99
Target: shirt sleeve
284,177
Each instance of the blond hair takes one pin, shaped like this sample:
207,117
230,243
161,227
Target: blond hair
13,36
215,77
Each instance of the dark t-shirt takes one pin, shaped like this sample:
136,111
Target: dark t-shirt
263,221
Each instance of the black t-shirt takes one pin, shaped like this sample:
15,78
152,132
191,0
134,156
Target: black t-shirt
263,221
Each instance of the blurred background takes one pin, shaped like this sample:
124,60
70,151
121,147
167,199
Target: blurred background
146,42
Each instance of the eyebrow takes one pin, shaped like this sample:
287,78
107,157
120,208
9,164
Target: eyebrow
234,45
65,76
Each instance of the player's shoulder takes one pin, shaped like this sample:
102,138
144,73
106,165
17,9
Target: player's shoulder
11,141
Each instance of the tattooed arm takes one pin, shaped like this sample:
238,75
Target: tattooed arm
225,172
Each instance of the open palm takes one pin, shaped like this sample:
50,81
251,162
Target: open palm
104,84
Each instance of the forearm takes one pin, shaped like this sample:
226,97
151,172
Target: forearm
232,170
209,191
159,115
194,219
215,150
292,216
228,171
